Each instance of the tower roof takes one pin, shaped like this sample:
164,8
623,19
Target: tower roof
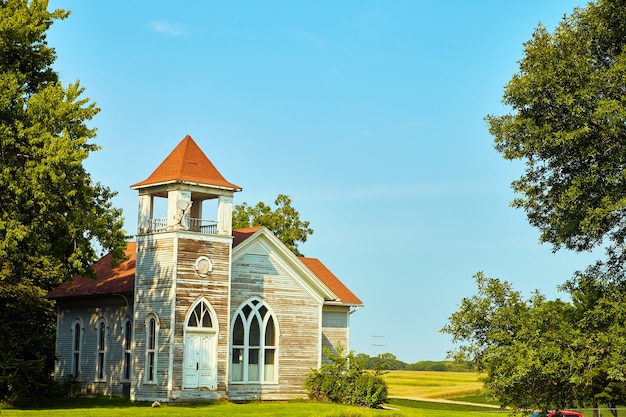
187,164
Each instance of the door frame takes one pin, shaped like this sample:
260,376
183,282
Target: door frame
212,332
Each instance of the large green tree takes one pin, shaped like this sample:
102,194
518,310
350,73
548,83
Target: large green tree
52,215
547,354
524,346
568,124
284,221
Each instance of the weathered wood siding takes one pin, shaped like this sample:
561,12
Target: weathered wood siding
115,312
154,292
335,329
298,316
215,288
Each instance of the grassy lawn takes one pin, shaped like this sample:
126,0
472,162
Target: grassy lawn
408,385
104,407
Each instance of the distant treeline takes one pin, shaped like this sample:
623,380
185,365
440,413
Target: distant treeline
389,362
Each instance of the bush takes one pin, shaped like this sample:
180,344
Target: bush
344,380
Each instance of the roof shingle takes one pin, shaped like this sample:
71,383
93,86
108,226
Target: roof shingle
187,163
327,277
109,280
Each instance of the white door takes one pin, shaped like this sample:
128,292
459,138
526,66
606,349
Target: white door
200,361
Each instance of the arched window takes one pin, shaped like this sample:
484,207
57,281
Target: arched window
128,333
152,340
254,336
101,343
200,317
77,346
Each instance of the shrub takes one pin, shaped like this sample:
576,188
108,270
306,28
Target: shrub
343,379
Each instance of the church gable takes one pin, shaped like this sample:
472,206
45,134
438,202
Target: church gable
263,273
264,243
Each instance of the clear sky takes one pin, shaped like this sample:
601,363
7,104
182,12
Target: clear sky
369,114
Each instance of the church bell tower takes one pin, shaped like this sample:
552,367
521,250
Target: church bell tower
182,282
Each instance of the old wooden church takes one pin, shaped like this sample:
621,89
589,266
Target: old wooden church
199,311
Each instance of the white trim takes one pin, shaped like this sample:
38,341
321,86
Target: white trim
246,322
155,350
213,331
77,366
192,183
101,368
215,326
170,376
128,321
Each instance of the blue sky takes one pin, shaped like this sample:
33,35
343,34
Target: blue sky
369,114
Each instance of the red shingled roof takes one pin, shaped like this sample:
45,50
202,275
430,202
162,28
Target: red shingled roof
119,280
187,163
337,287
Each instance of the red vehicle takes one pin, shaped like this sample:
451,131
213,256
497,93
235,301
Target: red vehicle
556,414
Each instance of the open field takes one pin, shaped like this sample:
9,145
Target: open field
420,384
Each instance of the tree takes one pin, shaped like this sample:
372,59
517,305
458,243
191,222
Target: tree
343,379
600,314
284,221
567,123
521,345
53,217
546,354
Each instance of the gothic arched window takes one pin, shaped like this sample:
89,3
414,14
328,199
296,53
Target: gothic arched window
254,336
128,333
101,343
152,340
77,347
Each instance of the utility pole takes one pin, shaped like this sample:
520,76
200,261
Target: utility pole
377,344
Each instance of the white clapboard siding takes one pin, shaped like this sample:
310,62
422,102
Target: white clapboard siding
153,295
298,317
215,289
115,311
335,328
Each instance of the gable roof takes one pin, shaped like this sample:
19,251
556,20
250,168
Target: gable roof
328,280
118,280
188,164
344,295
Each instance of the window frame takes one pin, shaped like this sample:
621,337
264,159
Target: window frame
127,367
152,349
77,353
255,352
102,332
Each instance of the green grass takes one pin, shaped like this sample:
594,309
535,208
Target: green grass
104,407
409,387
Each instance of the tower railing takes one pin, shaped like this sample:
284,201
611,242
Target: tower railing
203,226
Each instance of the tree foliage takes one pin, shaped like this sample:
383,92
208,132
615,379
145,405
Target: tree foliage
284,221
52,215
546,354
567,123
343,379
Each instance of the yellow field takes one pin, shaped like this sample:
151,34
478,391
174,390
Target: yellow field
426,384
